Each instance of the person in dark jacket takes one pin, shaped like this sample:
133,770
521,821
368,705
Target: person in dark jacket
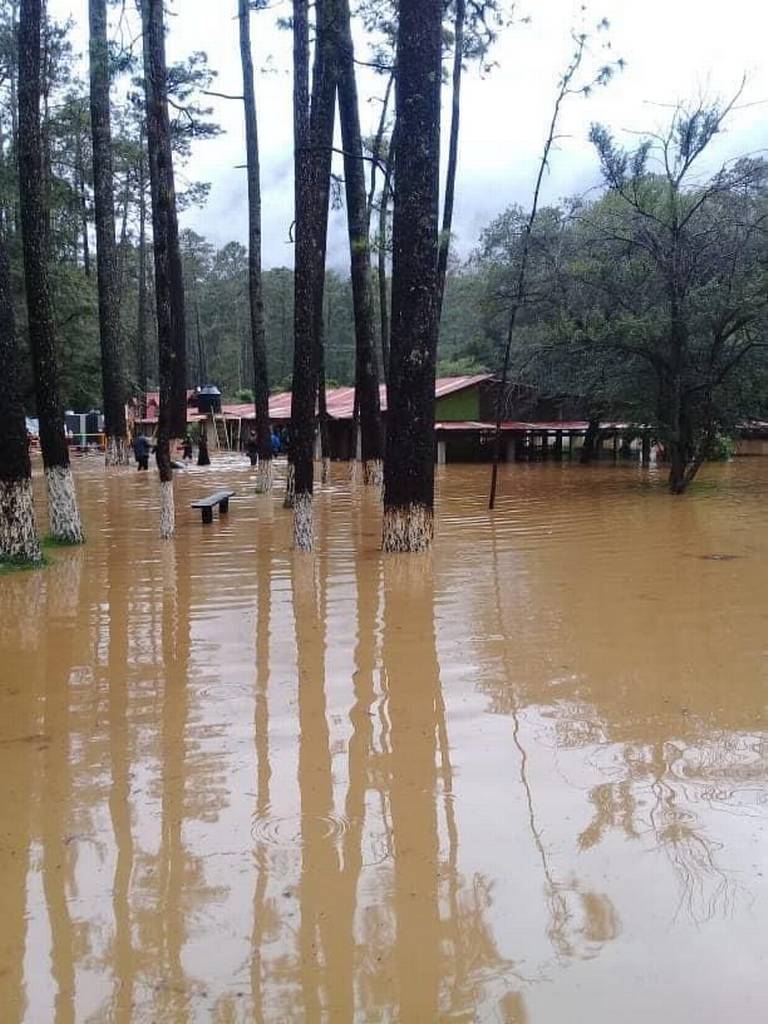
141,450
252,447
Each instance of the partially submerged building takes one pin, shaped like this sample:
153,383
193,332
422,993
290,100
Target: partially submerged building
465,417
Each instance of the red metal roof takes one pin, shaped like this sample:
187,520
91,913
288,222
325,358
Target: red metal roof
341,401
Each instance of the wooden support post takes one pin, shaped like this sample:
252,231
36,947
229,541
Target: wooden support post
559,446
545,446
616,446
207,514
441,453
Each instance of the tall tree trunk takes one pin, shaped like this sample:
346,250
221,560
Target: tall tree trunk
303,385
141,325
366,368
384,297
322,410
122,246
255,291
82,204
169,280
18,533
409,471
63,512
313,132
453,155
113,389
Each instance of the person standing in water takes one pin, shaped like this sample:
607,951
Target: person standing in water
186,447
141,450
252,447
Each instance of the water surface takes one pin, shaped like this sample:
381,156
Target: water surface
522,779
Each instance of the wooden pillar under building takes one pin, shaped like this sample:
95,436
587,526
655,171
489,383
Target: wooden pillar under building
441,453
559,446
545,446
616,446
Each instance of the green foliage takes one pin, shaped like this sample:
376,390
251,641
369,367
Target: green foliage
11,565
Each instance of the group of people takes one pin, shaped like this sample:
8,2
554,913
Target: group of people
252,445
143,448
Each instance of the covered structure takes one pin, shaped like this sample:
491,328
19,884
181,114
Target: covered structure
465,411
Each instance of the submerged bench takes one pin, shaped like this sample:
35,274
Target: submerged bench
207,505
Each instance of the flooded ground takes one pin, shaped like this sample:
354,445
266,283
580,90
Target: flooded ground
524,779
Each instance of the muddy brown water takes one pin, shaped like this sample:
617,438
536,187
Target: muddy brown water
523,779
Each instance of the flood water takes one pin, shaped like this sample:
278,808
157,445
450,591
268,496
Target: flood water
522,779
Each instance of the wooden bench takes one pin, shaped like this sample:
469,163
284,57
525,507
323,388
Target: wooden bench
207,505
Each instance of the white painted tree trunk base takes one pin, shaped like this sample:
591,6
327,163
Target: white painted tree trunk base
167,511
19,541
355,471
373,473
408,528
325,471
116,452
63,513
290,486
264,477
303,532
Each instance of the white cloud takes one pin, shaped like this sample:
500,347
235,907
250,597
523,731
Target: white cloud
674,50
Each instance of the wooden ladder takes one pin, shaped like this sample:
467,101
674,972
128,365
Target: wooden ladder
222,441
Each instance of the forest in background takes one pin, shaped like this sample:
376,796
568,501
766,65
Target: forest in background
216,280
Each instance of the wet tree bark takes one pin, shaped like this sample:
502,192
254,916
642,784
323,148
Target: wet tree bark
410,458
313,131
141,325
83,204
169,280
258,339
322,410
63,512
366,368
19,541
453,153
113,388
384,298
303,386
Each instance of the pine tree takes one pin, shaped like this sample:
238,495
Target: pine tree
63,512
18,533
113,388
313,131
366,363
169,280
409,468
258,338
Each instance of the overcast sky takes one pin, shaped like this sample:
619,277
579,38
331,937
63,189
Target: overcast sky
673,49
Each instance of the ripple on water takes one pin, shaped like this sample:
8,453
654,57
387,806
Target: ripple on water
292,830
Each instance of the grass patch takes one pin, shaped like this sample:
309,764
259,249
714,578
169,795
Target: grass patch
9,565
52,542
